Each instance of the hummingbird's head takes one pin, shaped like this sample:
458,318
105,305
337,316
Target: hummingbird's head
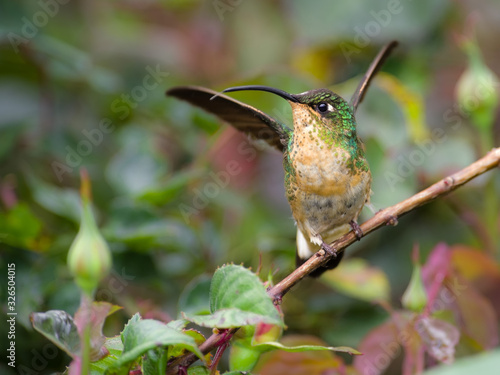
311,107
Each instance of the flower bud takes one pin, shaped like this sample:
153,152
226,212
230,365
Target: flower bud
89,258
476,90
415,296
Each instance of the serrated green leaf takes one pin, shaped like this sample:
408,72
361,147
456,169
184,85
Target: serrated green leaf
58,327
155,362
237,298
114,345
237,287
115,348
140,336
231,318
178,324
199,339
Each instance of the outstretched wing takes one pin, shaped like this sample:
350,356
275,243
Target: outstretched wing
240,115
360,92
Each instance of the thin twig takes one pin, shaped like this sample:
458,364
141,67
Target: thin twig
387,216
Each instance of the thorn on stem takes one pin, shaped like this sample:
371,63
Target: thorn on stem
393,220
449,181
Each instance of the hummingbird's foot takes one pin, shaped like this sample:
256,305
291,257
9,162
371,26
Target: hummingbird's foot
393,220
329,250
356,229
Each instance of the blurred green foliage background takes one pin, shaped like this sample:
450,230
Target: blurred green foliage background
176,193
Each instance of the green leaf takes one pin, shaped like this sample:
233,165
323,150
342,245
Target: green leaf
306,362
194,298
141,227
114,346
411,104
196,335
62,202
484,363
58,327
19,227
10,135
155,362
243,355
166,192
140,336
307,348
236,286
237,298
198,370
230,318
178,324
356,278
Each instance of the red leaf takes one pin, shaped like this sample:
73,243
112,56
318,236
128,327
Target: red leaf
481,270
379,347
476,317
438,263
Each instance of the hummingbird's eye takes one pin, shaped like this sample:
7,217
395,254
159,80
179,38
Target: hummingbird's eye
322,107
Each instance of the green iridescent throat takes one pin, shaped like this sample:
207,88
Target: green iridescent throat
335,130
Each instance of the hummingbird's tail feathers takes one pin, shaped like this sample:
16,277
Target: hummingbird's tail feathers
360,92
305,248
308,247
241,116
331,264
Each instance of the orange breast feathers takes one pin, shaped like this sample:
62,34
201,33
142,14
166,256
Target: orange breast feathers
324,172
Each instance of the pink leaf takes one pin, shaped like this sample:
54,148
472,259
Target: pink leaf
94,314
438,263
476,316
379,347
75,367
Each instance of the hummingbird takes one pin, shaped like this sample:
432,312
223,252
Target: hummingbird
327,176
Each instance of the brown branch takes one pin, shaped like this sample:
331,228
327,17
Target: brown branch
387,216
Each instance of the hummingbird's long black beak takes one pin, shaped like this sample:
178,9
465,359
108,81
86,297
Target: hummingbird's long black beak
278,92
